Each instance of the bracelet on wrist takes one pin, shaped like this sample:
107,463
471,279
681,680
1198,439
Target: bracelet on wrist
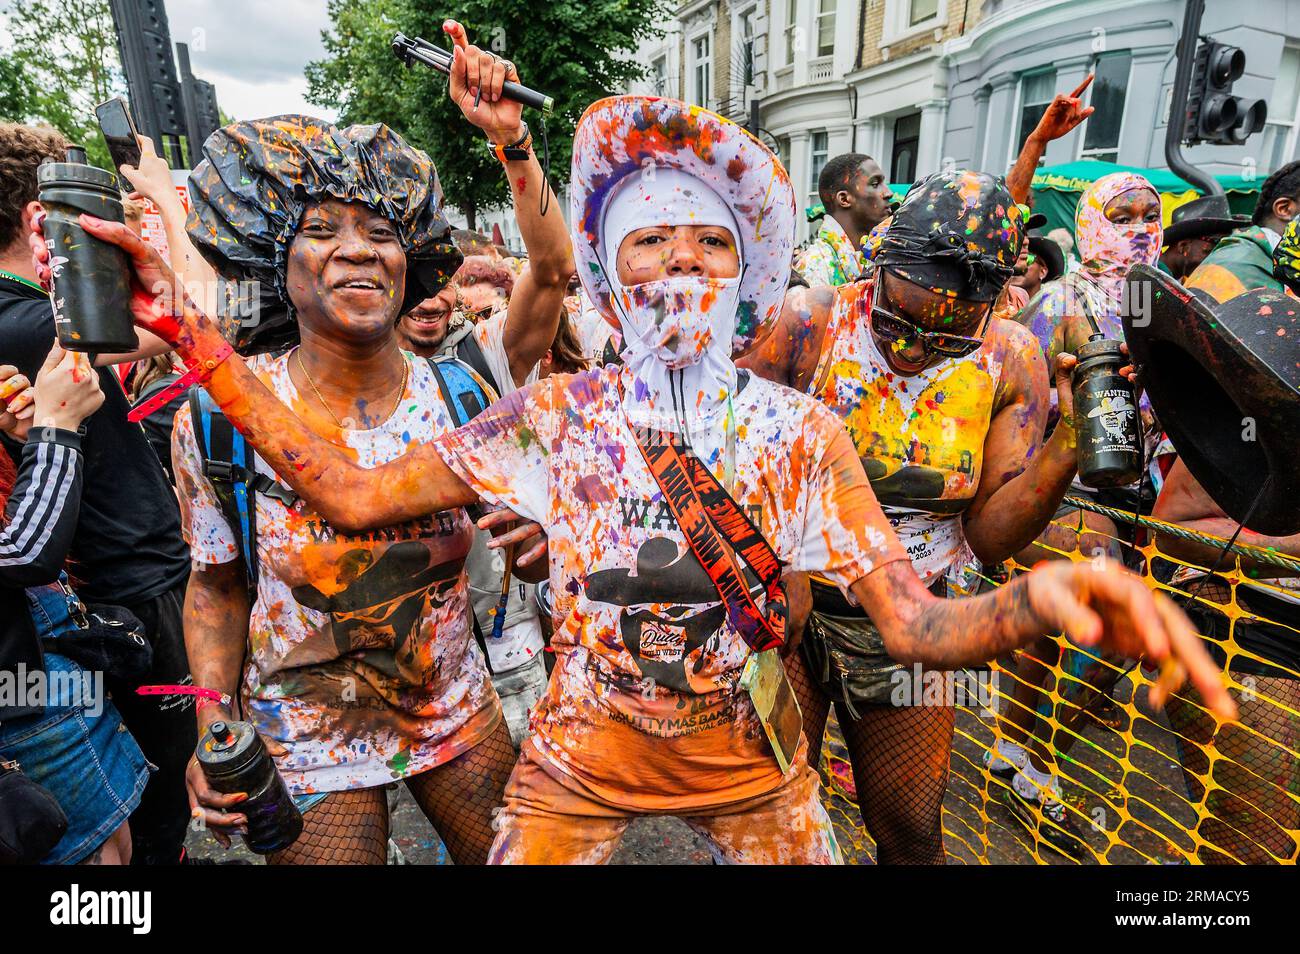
514,151
200,369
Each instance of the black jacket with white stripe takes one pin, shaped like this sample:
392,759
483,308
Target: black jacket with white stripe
40,519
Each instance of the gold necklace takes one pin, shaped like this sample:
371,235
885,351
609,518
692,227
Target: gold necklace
401,389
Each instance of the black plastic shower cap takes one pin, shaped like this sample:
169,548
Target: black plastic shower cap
258,176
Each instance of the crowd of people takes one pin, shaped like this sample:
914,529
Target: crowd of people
529,533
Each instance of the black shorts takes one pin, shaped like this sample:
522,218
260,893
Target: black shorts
846,653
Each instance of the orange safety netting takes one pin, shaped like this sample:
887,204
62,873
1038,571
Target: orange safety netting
1137,786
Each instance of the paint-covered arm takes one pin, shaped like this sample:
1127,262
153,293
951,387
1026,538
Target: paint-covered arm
1184,501
350,497
215,622
1063,113
1095,604
533,315
1023,478
789,353
848,540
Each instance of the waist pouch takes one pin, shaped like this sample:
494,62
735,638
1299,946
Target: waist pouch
846,653
31,821
102,638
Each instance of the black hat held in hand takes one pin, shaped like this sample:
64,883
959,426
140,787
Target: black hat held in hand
1225,382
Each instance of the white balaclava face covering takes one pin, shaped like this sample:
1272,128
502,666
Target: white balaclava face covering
677,330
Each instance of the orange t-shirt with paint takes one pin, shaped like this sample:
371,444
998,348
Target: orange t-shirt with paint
643,709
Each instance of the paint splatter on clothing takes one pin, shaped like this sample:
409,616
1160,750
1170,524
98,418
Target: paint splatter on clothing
920,437
643,706
1286,258
550,818
490,335
1075,294
830,259
361,661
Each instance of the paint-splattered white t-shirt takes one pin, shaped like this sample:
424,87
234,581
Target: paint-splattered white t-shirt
643,706
361,661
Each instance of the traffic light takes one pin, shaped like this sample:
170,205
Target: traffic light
1213,113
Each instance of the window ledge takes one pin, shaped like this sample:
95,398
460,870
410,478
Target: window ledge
929,26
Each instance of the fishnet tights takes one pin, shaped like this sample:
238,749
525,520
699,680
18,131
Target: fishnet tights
900,766
1258,800
347,828
459,798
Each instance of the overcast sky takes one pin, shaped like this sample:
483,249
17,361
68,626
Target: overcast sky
253,51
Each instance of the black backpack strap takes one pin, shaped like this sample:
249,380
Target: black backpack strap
471,352
228,467
214,435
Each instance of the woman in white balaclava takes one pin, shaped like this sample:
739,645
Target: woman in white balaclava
683,229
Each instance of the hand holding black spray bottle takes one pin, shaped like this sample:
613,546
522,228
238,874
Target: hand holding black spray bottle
1105,412
90,279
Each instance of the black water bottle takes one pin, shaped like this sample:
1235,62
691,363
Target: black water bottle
234,759
92,279
1106,416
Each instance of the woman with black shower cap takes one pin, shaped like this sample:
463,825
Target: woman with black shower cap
354,658
946,405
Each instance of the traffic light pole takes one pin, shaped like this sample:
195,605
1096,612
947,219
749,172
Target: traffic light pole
1178,108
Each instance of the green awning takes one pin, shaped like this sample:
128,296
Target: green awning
1077,176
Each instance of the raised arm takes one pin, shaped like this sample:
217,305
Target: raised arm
533,316
1062,115
349,496
152,180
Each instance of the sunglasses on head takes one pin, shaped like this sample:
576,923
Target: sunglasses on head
890,325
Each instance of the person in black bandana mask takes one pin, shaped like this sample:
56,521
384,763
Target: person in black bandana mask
947,405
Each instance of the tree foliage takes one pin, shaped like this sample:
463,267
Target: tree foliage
61,61
574,50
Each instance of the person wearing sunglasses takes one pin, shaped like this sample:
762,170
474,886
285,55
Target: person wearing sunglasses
946,404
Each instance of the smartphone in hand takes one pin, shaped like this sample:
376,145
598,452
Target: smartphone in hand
120,133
